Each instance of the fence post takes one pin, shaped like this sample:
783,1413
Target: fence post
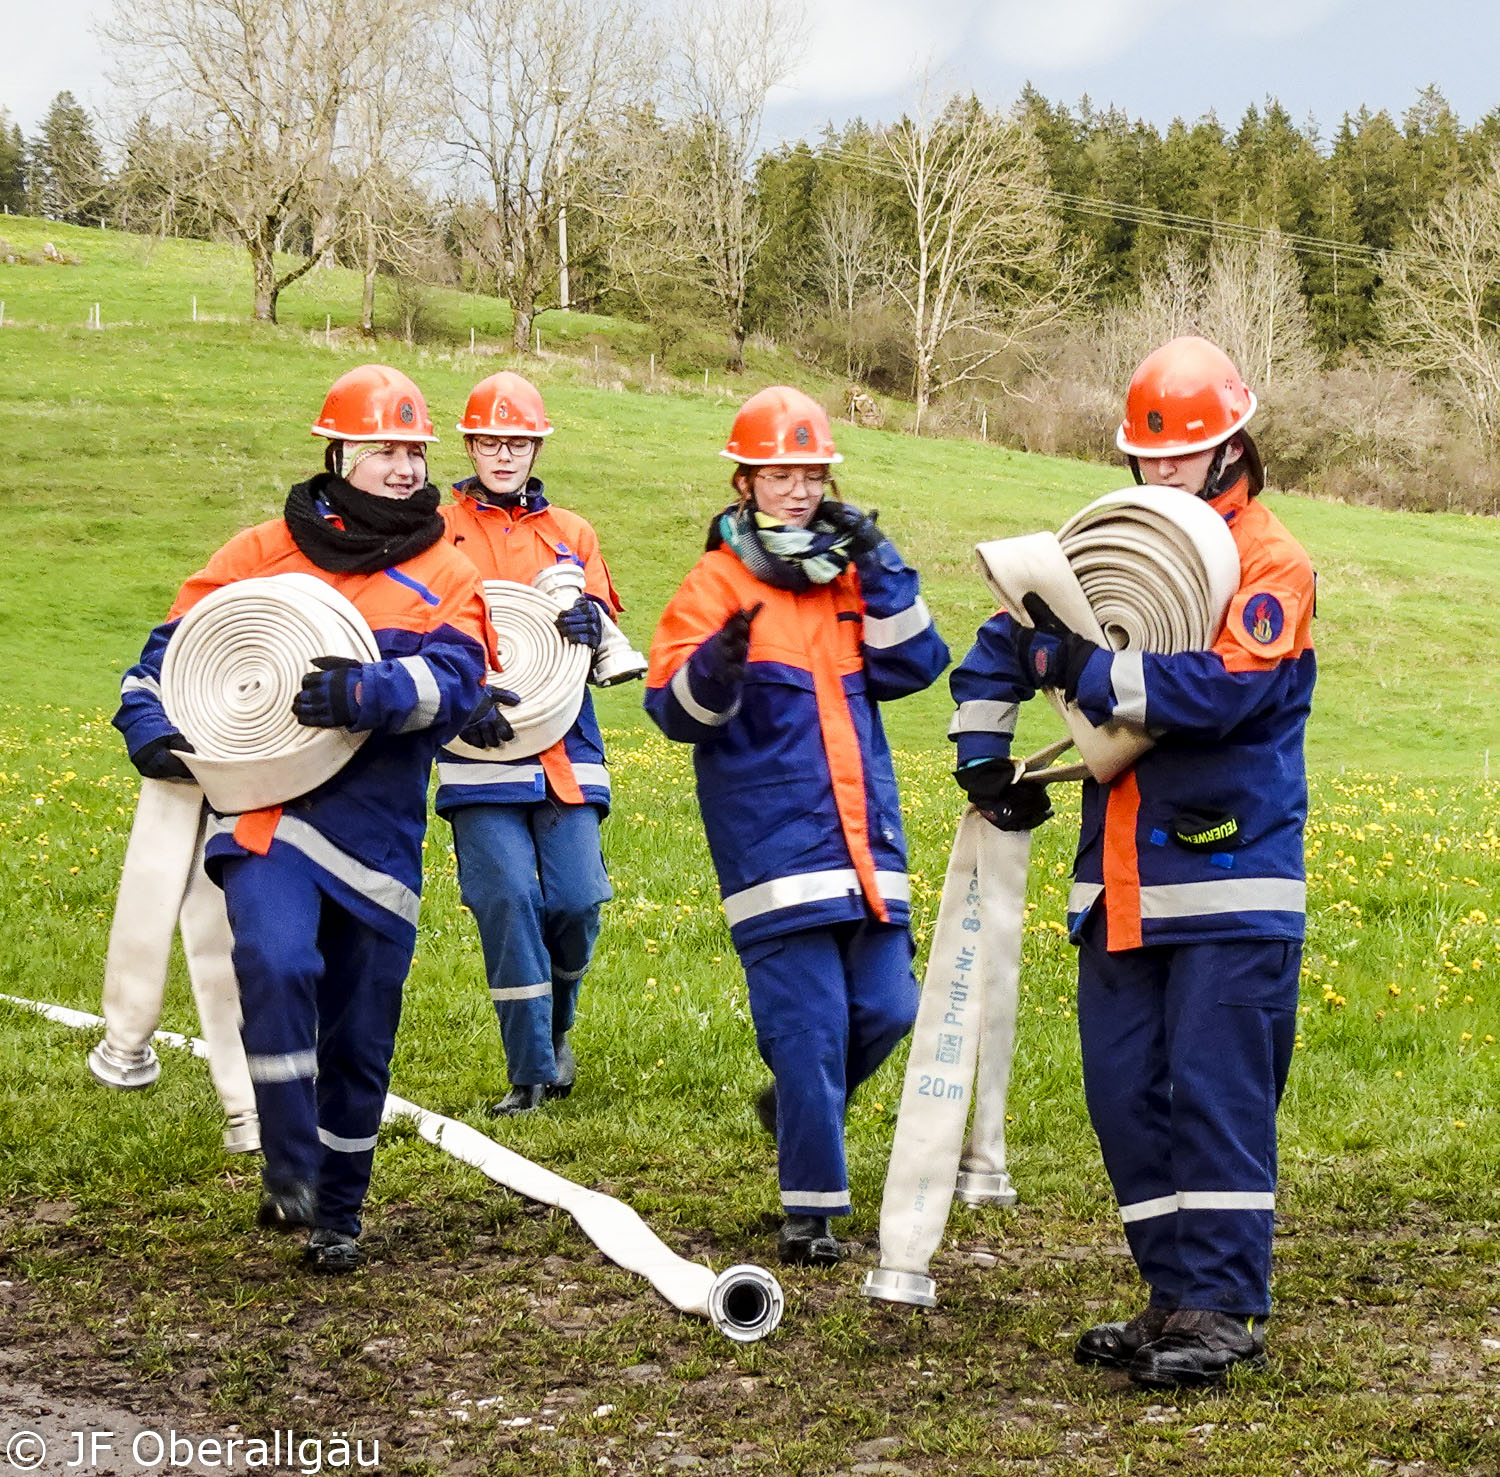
653,366
705,379
984,425
471,338
195,307
539,340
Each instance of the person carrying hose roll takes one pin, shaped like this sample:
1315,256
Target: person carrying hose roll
322,892
526,827
771,660
1188,898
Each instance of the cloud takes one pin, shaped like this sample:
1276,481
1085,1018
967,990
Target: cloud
860,49
1059,35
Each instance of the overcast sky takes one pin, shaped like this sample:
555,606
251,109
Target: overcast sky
1157,59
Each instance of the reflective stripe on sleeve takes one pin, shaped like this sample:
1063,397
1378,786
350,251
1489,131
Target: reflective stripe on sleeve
522,992
983,715
882,631
682,690
284,1066
1232,895
132,683
1226,1200
1127,675
480,772
346,1146
429,699
1083,895
1148,1210
810,887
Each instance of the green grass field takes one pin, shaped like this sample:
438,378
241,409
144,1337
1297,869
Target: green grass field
127,1270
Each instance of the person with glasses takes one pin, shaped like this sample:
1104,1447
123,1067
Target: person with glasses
771,659
526,827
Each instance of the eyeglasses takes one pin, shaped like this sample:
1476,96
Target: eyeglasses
781,479
517,446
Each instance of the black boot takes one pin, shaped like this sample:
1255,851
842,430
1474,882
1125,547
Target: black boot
765,1108
567,1073
1199,1346
333,1252
1113,1345
523,1097
288,1207
806,1241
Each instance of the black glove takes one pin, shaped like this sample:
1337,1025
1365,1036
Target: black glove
487,727
729,648
1052,654
581,623
859,528
330,696
158,759
1004,801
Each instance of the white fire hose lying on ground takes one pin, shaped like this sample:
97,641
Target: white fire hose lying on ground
744,1303
1142,570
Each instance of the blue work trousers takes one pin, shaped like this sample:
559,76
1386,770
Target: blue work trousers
1186,1049
320,992
829,1005
533,876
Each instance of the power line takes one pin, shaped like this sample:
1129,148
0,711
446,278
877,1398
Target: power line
1323,247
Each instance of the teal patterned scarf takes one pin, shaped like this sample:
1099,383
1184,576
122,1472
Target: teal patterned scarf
784,557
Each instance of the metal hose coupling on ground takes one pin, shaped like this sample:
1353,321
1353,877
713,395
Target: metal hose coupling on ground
744,1302
1140,570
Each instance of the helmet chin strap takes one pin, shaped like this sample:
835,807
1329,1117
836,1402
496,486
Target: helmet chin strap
1220,476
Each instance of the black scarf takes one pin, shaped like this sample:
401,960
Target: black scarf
377,532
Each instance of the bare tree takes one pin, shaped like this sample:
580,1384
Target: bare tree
981,269
1438,309
1254,310
526,79
730,57
851,254
264,85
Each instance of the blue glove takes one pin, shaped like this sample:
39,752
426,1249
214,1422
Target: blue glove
158,759
582,623
728,649
858,528
330,696
487,727
1051,654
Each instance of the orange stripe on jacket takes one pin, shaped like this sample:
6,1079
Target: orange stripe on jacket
1122,877
795,630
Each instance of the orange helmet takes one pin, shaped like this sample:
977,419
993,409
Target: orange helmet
505,404
374,403
1186,397
781,427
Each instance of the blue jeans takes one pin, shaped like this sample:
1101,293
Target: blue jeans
533,876
1186,1049
829,1005
320,991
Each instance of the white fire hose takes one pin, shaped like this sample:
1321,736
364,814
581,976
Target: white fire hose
229,674
1141,570
231,670
744,1303
163,888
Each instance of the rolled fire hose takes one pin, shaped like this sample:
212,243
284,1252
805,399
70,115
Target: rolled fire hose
230,672
744,1302
547,672
163,888
1144,569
